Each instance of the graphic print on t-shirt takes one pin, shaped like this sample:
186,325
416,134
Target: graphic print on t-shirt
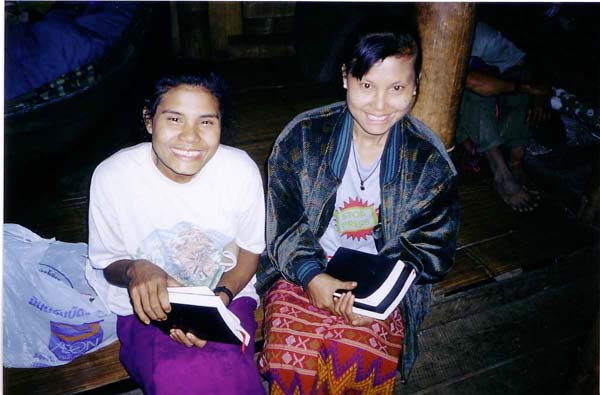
191,255
355,219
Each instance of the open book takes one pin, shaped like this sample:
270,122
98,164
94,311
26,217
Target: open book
382,282
199,311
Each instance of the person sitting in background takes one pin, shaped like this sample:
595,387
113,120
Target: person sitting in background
499,105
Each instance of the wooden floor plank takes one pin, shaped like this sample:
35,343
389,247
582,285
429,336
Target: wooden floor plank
515,376
464,273
523,250
501,255
577,266
455,349
483,215
82,375
503,243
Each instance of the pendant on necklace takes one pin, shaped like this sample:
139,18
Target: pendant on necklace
362,186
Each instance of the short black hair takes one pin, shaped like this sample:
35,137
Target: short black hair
194,73
377,38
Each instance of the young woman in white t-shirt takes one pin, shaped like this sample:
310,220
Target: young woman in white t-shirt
155,209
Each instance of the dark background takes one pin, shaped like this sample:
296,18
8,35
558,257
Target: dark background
49,153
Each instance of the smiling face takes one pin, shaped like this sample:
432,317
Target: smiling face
186,130
383,96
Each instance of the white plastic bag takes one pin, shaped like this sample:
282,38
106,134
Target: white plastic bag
51,315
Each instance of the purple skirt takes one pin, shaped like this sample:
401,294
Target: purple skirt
162,366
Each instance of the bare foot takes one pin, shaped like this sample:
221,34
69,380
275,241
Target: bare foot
513,192
515,196
522,179
515,167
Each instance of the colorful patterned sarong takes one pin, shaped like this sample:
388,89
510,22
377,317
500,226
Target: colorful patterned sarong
311,351
162,366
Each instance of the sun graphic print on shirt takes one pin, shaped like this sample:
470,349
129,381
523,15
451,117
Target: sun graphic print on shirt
356,219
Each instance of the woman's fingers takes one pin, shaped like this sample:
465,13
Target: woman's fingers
152,303
361,320
148,291
195,341
338,304
163,299
187,339
147,303
321,292
180,337
343,308
136,301
348,285
346,307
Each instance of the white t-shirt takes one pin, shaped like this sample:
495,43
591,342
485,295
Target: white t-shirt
136,212
494,49
356,211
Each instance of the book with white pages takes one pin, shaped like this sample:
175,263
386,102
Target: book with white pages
199,311
382,282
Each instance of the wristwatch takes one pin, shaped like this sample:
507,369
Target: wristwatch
226,291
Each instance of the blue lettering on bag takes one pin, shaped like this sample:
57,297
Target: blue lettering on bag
75,312
68,341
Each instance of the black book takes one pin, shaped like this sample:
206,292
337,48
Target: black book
199,311
382,282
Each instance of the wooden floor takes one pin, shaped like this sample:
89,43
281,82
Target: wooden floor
516,336
516,308
512,317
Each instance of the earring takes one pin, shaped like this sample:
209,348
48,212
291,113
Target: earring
415,92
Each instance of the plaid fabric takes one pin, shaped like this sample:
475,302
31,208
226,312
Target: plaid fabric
86,77
311,351
61,88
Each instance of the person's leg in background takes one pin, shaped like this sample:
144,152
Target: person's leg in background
478,121
513,127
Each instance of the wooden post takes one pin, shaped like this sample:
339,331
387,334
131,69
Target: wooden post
446,31
224,20
189,29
